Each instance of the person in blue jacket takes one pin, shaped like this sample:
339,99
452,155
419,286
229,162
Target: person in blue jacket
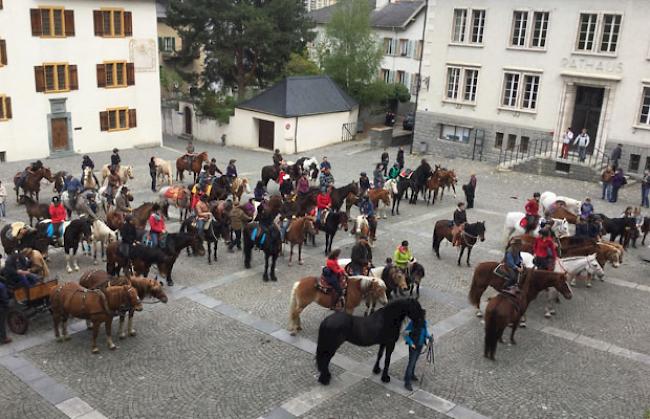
415,344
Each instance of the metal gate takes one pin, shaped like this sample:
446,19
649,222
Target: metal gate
477,150
348,131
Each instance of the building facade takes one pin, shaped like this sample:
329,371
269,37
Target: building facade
318,4
501,75
77,77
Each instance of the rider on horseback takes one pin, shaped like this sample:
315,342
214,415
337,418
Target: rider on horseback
460,219
213,169
544,250
122,200
333,274
532,212
277,158
115,160
393,173
231,171
113,182
190,154
129,236
367,209
57,217
513,263
364,183
323,202
403,256
361,257
156,225
73,186
203,214
31,169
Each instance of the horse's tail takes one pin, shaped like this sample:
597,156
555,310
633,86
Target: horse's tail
293,303
475,290
507,231
322,348
436,238
491,333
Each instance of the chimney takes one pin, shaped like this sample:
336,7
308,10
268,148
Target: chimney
379,4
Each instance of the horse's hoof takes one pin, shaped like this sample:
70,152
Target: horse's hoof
376,370
66,337
299,328
76,268
170,283
274,278
290,264
68,270
552,312
300,262
547,315
112,347
122,335
265,278
324,380
59,339
512,342
95,262
573,283
588,284
385,378
132,333
293,333
95,351
522,324
479,314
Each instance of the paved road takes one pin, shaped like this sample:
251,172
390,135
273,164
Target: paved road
219,347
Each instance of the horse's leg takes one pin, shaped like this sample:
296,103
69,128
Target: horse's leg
108,324
216,243
274,258
265,277
291,254
389,351
300,253
130,324
121,333
376,369
469,252
67,262
417,293
515,324
56,320
209,253
94,348
460,255
75,260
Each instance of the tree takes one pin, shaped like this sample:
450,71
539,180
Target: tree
353,54
300,65
245,41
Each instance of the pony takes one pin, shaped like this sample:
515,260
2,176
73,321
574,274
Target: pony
399,188
32,184
238,187
141,214
432,187
215,229
37,263
381,327
378,197
395,280
195,166
34,209
31,239
270,173
416,273
348,192
125,173
620,228
296,233
266,239
418,180
468,237
334,221
144,286
102,235
163,171
88,180
306,291
59,181
512,227
75,232
73,300
448,180
178,196
503,309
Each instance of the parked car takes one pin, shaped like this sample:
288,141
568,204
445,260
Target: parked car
409,121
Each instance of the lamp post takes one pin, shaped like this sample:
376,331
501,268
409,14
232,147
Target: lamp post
419,84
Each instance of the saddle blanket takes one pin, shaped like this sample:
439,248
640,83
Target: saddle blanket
258,233
177,194
50,228
406,173
323,286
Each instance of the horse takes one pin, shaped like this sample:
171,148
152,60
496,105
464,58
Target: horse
448,180
141,214
115,220
178,196
377,197
37,264
31,239
195,167
561,212
163,171
620,228
347,192
512,227
59,181
645,228
362,228
416,273
334,221
306,291
381,327
503,310
399,189
103,235
432,186
144,286
34,209
238,187
418,181
125,173
104,196
296,233
32,184
88,180
394,278
75,232
265,239
270,173
468,237
215,229
73,300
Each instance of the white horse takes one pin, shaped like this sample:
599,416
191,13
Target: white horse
125,172
307,163
549,198
511,227
360,223
163,171
103,235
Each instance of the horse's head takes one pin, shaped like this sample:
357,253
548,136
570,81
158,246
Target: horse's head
377,291
128,172
47,173
612,254
392,185
399,279
593,267
133,298
480,230
343,221
561,227
196,244
354,187
352,198
310,227
156,290
25,200
415,312
417,272
560,283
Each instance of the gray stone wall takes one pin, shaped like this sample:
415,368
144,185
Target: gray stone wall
628,151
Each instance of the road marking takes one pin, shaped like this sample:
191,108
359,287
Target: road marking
627,284
171,149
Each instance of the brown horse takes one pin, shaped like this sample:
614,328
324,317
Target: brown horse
347,192
34,209
115,220
468,237
195,167
503,310
305,292
32,184
38,265
377,196
448,180
238,187
73,300
141,214
562,212
432,186
144,286
296,234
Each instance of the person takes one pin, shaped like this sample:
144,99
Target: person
627,213
213,169
368,209
3,199
286,188
513,263
333,274
115,160
415,342
129,236
402,256
156,225
470,190
32,168
237,220
616,155
583,141
122,202
544,251
364,183
567,138
277,158
378,176
303,185
153,173
460,219
393,173
323,202
618,181
384,162
113,182
249,207
586,209
58,216
360,256
400,157
88,206
202,213
17,271
231,170
87,162
73,186
259,192
4,310
326,179
325,164
532,212
606,178
645,190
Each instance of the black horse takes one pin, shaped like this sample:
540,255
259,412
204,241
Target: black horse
76,232
621,228
216,230
339,195
468,238
415,275
334,221
419,181
403,185
381,327
266,239
270,173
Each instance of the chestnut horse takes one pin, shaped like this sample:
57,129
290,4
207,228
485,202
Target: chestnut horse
32,184
377,197
115,220
73,300
195,167
296,234
34,209
304,292
562,212
141,214
503,309
144,286
468,237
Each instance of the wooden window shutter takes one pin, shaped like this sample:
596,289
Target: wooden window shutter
8,114
128,24
160,44
74,78
69,22
39,77
101,75
3,52
133,120
37,25
103,121
130,74
98,23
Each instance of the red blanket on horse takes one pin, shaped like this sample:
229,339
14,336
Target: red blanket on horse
176,193
323,286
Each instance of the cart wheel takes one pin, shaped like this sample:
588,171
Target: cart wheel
18,322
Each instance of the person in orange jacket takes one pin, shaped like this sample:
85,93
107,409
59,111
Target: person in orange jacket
323,202
58,216
333,273
545,251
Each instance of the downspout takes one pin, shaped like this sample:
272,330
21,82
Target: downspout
295,137
417,92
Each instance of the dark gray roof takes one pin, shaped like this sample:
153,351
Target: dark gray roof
161,8
300,96
392,15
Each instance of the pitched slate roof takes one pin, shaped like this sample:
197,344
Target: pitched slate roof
393,15
300,96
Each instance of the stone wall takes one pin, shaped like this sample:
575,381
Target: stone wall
628,151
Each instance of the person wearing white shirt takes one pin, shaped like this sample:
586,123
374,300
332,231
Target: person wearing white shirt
582,141
567,137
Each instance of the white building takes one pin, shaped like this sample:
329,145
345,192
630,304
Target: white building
504,74
398,27
311,5
77,76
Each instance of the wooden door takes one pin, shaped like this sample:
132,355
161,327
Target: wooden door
586,113
188,120
59,134
266,134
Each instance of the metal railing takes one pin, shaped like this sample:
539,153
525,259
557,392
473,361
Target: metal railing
547,148
348,131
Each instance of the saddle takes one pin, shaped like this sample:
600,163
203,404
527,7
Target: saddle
176,194
323,286
500,271
512,295
259,236
406,173
365,270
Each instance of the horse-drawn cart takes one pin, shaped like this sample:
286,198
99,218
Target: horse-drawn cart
28,303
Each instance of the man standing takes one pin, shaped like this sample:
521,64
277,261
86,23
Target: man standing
325,164
400,157
115,159
470,190
645,191
583,142
153,173
567,137
616,155
4,309
617,183
384,162
606,178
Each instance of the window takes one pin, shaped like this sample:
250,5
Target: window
403,78
519,23
635,161
510,89
471,81
459,33
498,140
404,47
5,108
117,119
526,33
540,29
418,50
52,22
390,46
461,78
115,74
114,23
454,133
591,24
387,75
520,95
167,43
512,142
453,82
645,107
531,88
523,144
56,77
3,52
647,163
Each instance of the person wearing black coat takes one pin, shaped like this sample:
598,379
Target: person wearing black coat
4,310
384,162
129,235
361,257
115,159
400,158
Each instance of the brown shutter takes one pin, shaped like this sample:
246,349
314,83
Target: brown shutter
101,75
8,114
133,120
74,79
98,23
37,26
69,22
128,24
3,52
39,77
103,121
130,74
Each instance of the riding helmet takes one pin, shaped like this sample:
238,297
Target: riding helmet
536,195
405,243
115,150
55,199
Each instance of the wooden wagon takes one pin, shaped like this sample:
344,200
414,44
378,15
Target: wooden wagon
29,302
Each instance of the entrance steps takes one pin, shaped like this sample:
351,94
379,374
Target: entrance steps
554,166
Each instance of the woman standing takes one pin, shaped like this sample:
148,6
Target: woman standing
416,342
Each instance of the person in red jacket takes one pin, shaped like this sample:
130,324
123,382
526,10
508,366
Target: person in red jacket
156,225
323,202
532,212
58,215
333,273
545,251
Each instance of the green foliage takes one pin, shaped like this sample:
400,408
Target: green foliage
300,65
380,92
399,93
169,79
216,106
